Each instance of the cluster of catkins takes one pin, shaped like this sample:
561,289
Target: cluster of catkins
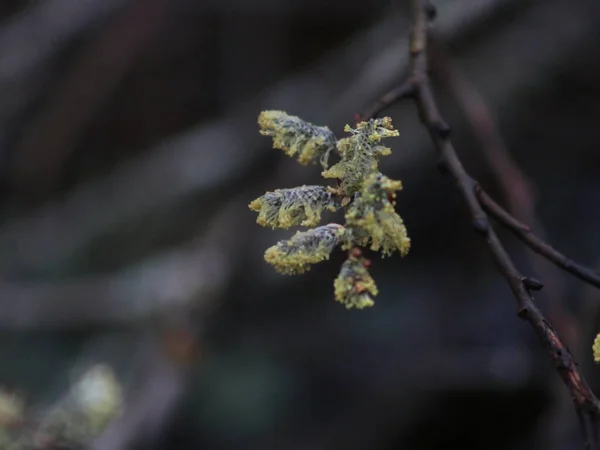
366,195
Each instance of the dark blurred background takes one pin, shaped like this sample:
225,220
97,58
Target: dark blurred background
129,151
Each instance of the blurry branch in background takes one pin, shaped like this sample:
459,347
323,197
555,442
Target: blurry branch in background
149,406
397,93
23,53
476,369
196,272
517,189
586,404
47,239
161,293
53,134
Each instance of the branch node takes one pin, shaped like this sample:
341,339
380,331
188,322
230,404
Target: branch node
431,11
442,165
481,225
442,129
532,283
477,203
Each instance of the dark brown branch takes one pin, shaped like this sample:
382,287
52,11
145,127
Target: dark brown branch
405,90
518,190
523,232
586,404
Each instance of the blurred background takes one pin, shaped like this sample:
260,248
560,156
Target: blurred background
129,152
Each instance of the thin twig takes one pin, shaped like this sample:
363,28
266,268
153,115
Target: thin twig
521,198
524,233
521,230
400,92
586,404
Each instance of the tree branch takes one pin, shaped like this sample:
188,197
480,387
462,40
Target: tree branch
196,272
586,404
524,233
25,55
400,92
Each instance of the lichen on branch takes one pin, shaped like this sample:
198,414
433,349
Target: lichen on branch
367,196
284,208
296,137
360,153
305,248
373,220
354,287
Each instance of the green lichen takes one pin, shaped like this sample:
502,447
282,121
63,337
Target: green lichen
296,137
596,348
372,219
367,196
284,208
354,287
360,153
305,248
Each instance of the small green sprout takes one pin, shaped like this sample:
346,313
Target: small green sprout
367,195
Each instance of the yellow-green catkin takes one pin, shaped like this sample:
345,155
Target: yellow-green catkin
354,287
304,249
284,208
360,153
297,137
372,219
596,348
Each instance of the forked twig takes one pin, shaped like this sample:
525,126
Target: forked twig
538,245
586,403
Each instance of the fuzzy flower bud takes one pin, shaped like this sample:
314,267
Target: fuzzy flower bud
305,248
372,217
354,287
360,153
284,208
295,136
